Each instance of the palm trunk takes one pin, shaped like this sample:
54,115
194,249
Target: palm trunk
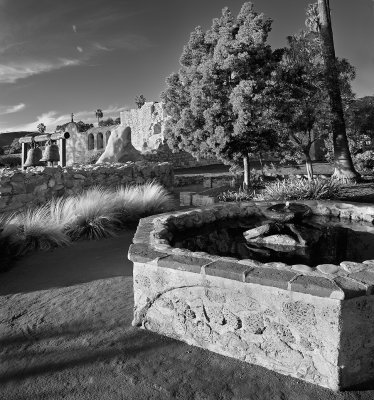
308,165
344,169
246,173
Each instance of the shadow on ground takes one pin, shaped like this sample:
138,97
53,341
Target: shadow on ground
81,262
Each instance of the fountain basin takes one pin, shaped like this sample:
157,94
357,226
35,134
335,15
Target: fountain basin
314,324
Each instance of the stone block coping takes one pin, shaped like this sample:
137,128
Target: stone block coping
151,244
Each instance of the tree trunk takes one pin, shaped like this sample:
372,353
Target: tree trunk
308,165
261,164
246,173
344,169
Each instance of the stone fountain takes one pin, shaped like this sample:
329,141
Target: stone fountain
315,323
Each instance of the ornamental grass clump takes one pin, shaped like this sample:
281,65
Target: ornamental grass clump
141,200
93,214
239,195
33,229
300,189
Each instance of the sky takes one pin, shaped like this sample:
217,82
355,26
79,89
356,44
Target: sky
75,56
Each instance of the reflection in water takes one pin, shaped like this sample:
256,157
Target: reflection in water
329,241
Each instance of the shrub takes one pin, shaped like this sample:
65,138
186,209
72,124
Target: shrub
32,229
141,200
92,214
10,160
300,189
364,161
232,195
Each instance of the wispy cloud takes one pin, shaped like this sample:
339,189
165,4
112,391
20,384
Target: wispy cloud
11,109
12,72
99,46
52,118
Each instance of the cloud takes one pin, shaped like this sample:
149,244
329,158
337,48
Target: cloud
52,118
99,46
74,28
80,49
11,109
10,73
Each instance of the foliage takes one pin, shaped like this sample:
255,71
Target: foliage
300,189
364,162
302,106
218,101
35,231
10,160
15,146
93,214
82,126
142,200
110,121
140,101
99,114
41,128
236,195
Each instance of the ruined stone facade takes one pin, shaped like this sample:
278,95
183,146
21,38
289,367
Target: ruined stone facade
81,146
147,125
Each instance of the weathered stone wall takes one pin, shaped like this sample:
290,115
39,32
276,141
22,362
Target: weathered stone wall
315,324
35,186
180,159
147,124
83,145
147,133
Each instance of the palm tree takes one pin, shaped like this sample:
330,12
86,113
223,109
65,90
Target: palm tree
344,169
99,114
41,128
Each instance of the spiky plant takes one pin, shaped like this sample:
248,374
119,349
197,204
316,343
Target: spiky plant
300,189
95,215
33,229
141,200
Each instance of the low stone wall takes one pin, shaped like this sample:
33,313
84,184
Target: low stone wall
20,189
179,159
314,324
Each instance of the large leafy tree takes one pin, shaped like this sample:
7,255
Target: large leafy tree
344,169
218,102
301,99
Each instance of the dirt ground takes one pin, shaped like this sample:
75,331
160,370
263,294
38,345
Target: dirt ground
65,333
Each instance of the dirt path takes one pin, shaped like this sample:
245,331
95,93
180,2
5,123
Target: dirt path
65,333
